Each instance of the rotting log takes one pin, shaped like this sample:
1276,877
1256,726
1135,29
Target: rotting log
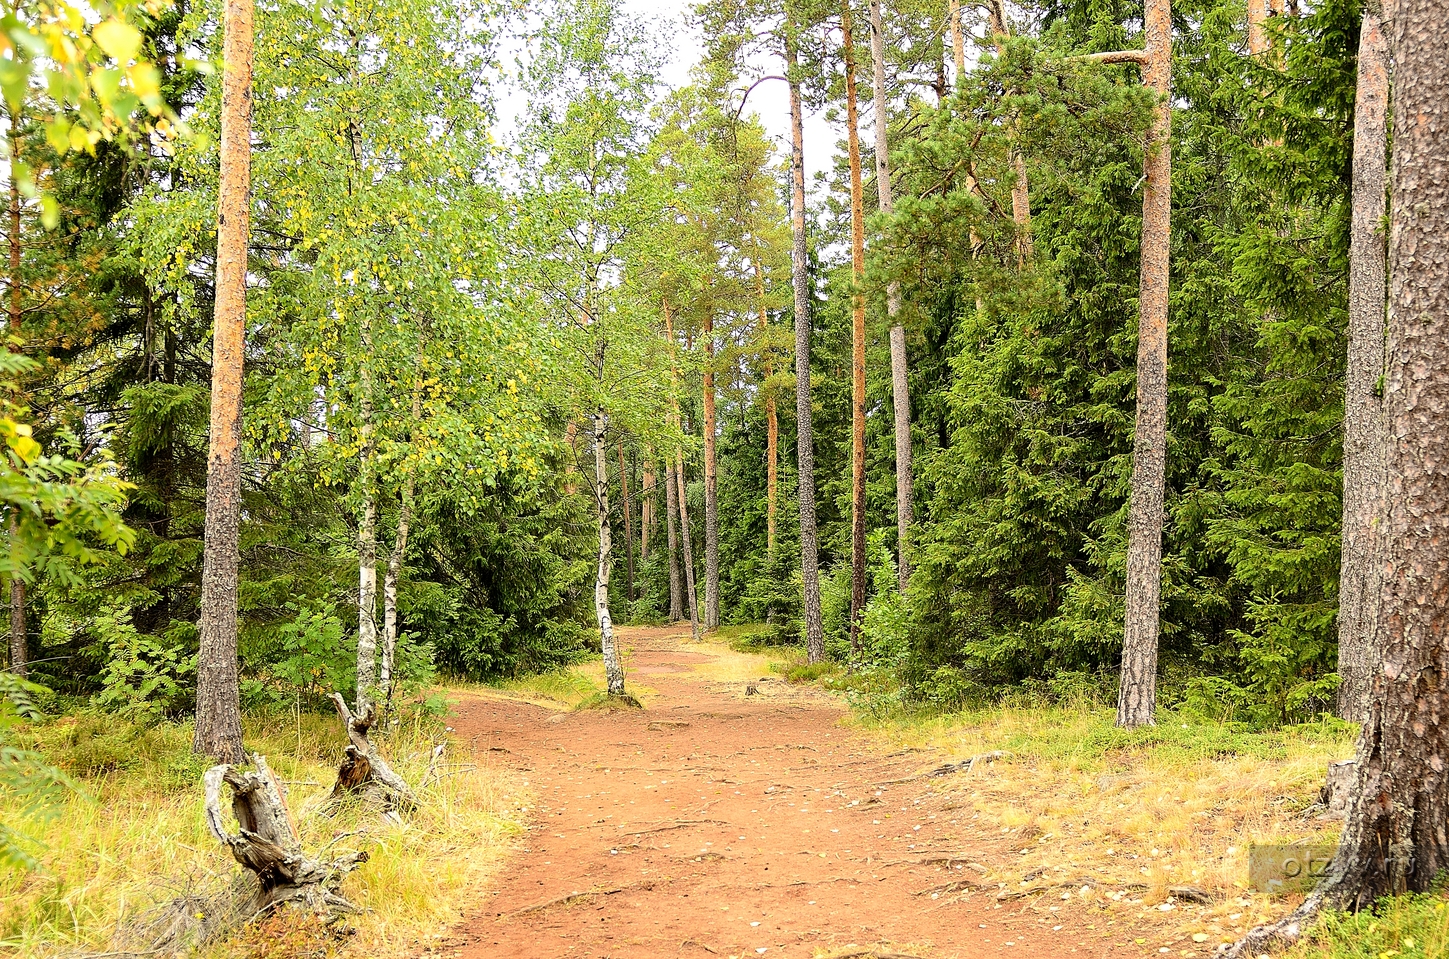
364,772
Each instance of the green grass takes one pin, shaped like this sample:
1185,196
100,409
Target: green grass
132,836
1404,926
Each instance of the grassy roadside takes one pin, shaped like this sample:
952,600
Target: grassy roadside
132,836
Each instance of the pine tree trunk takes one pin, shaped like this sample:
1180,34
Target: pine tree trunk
1020,189
1395,839
1258,12
628,522
958,37
711,484
19,653
218,709
857,333
646,512
1363,425
671,510
900,388
804,433
772,423
613,667
687,559
1137,698
366,528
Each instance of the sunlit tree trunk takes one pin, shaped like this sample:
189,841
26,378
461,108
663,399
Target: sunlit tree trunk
958,37
804,432
857,333
1137,698
711,484
1395,839
1020,189
687,559
1257,33
646,512
900,389
366,526
19,653
1363,424
613,667
218,707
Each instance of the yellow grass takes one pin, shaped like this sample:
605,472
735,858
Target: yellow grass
134,836
1131,814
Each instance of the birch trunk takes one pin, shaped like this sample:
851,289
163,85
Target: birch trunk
399,552
1363,424
857,333
711,484
218,707
1395,840
900,389
688,558
804,433
366,530
671,509
613,668
1137,699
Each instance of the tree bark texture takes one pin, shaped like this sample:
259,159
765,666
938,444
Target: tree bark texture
1363,424
366,527
958,37
363,770
1395,839
1137,698
690,593
1020,188
900,387
613,667
399,549
1257,32
646,510
857,331
671,510
804,433
711,484
218,708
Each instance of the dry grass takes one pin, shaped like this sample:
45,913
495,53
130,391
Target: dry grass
134,836
1131,814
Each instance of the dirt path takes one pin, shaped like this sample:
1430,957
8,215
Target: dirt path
716,823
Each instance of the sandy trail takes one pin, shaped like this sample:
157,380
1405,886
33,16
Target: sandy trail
715,823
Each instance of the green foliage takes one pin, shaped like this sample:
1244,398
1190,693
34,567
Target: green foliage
146,678
28,785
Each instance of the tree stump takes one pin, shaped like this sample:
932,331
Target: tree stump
363,771
268,846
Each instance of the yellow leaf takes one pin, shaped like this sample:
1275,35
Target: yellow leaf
117,38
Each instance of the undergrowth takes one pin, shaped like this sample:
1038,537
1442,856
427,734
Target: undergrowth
131,835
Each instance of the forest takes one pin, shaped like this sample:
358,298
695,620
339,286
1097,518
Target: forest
1084,361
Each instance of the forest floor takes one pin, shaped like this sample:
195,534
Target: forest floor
738,816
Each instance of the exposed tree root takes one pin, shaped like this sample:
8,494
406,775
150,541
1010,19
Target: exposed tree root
576,897
681,824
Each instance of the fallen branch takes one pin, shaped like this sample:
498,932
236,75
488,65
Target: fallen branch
965,765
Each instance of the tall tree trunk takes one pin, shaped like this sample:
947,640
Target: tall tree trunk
900,389
1137,699
691,594
218,696
1363,426
19,654
671,510
1020,189
1395,839
628,521
613,667
366,527
399,547
646,512
958,37
857,333
804,432
772,423
711,484
1258,13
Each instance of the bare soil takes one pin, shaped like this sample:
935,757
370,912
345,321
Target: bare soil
732,823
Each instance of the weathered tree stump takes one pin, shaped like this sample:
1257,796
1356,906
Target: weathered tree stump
268,846
363,771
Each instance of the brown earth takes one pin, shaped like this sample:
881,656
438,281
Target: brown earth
720,823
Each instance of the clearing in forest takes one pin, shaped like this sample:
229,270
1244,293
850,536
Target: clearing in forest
735,816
